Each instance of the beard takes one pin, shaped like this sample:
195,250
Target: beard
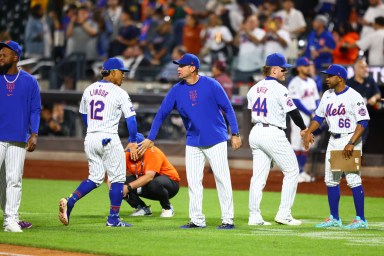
4,68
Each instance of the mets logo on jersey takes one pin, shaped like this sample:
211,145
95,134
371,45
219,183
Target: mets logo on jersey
10,87
362,112
290,102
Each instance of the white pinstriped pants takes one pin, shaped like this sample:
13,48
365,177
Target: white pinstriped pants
12,156
332,179
195,161
267,144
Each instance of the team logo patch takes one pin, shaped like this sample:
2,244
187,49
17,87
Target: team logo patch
362,112
290,102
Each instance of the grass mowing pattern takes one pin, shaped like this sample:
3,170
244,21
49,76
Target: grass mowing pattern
157,236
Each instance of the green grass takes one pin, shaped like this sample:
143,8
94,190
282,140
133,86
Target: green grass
156,236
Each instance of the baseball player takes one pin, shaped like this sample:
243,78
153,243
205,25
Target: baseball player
303,90
346,115
152,177
101,107
19,124
269,102
200,101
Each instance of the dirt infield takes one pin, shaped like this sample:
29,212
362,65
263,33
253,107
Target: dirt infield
8,249
64,170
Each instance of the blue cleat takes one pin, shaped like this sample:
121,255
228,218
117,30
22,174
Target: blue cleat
226,226
64,211
330,222
117,223
191,225
357,223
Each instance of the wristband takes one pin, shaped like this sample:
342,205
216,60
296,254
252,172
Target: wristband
129,188
351,143
236,134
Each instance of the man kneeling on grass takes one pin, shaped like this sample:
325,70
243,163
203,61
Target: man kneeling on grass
152,177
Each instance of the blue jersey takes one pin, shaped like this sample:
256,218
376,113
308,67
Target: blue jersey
200,106
20,107
318,42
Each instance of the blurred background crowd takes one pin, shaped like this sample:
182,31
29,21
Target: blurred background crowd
231,37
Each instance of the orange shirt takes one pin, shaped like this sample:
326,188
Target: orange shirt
153,160
191,39
349,55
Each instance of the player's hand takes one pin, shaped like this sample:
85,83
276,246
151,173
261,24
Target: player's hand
308,138
133,150
236,142
144,145
31,143
348,150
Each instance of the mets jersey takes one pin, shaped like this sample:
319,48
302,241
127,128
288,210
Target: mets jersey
342,110
103,103
269,101
305,91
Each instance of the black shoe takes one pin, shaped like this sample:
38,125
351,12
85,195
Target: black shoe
191,225
226,226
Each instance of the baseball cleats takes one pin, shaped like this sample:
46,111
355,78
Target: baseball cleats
226,226
25,224
12,226
305,177
64,211
330,222
287,221
357,223
142,211
167,213
191,225
261,223
117,223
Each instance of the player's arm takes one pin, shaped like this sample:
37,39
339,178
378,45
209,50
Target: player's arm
348,149
226,106
166,107
314,125
34,118
301,107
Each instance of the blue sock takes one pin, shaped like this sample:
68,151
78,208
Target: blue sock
116,196
333,201
84,188
358,198
301,159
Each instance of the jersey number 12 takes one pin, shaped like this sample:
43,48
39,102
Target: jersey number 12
96,108
260,106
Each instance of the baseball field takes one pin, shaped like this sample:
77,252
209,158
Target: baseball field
152,235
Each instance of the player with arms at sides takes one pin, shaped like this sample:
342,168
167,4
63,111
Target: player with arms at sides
270,102
303,90
347,116
153,177
20,107
101,107
200,101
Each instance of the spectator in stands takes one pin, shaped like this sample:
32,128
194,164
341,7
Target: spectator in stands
373,43
276,39
177,9
191,34
219,72
251,49
344,33
238,11
105,31
375,9
38,37
294,23
169,74
216,38
137,62
320,43
82,34
127,36
4,34
57,121
112,16
160,45
366,86
148,25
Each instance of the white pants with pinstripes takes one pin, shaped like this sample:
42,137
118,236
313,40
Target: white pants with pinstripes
332,179
195,161
12,156
267,144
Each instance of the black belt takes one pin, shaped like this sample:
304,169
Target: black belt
268,125
338,135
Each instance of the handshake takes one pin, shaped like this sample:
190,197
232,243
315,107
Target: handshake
307,137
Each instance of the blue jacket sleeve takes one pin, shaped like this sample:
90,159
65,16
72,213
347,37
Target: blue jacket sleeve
132,128
318,119
226,106
35,109
166,107
85,120
301,107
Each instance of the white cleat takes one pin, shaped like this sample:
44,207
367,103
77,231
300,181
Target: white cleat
167,213
262,223
12,226
305,177
288,221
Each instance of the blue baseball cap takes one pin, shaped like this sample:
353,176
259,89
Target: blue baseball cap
188,59
13,46
303,61
114,64
277,59
336,70
139,138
